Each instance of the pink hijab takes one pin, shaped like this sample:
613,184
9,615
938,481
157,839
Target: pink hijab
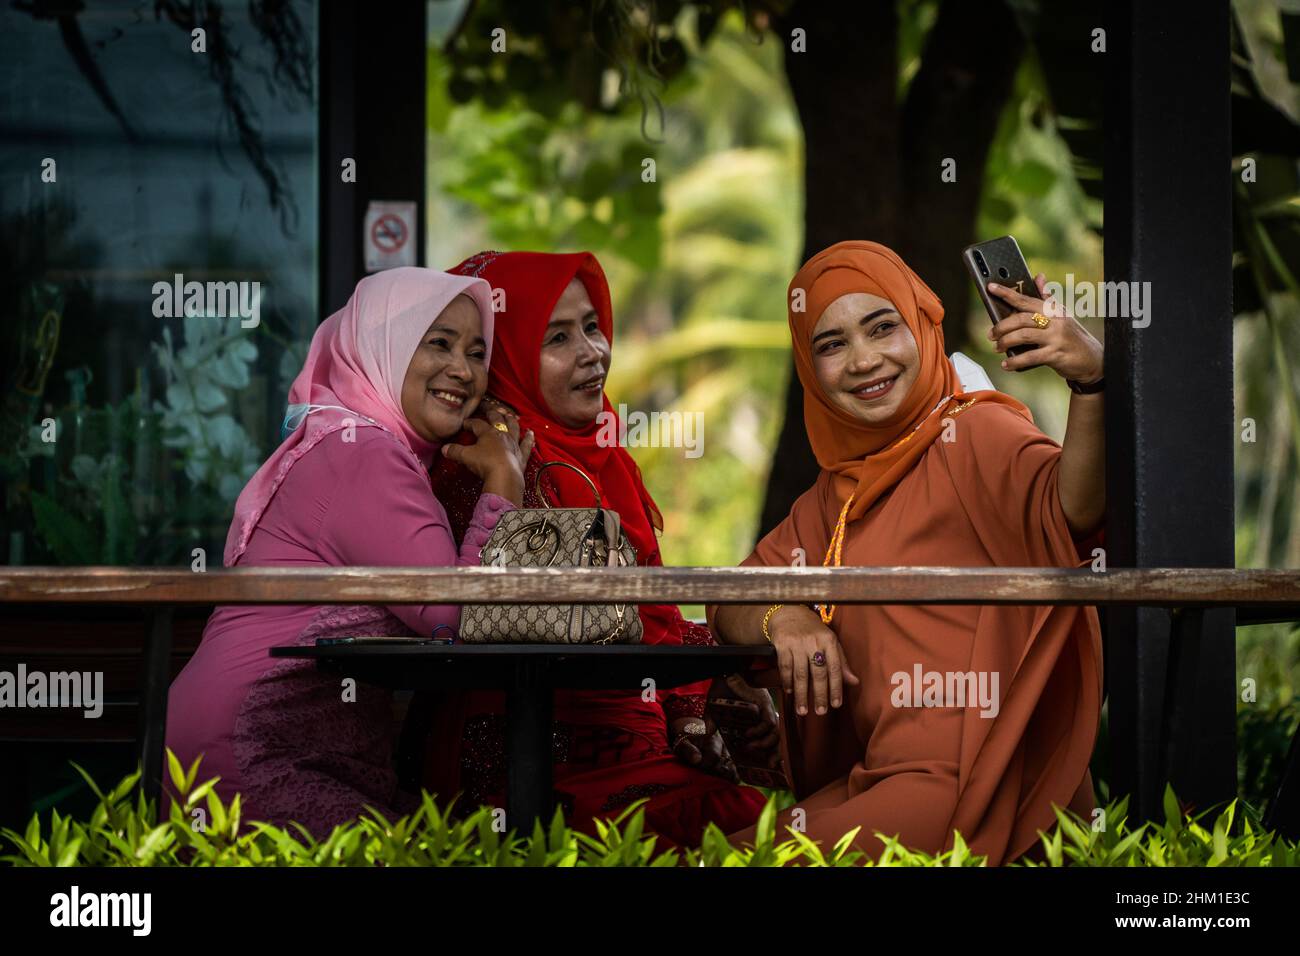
353,376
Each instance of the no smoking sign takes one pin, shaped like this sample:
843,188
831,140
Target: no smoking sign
389,235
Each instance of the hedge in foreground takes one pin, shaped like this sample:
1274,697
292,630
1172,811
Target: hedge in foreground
121,832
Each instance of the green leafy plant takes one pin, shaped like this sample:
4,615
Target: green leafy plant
201,378
1263,738
88,513
1232,839
202,830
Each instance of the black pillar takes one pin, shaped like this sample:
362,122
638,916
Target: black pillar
155,682
530,704
1169,414
372,92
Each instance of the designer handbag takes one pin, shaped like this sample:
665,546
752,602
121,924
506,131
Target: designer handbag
549,538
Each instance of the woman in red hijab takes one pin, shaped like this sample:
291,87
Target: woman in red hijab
550,356
915,721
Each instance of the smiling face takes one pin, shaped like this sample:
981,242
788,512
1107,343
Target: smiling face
448,372
865,357
574,359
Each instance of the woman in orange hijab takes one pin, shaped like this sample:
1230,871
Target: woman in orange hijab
915,721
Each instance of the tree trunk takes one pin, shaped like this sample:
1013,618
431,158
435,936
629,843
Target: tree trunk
844,89
953,106
872,170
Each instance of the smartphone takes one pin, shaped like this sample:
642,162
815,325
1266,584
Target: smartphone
1000,261
733,718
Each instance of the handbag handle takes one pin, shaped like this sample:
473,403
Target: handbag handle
537,482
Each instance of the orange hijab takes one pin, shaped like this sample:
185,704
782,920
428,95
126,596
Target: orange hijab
868,460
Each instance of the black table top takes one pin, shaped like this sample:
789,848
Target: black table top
581,666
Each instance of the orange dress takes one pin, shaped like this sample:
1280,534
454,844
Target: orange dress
987,498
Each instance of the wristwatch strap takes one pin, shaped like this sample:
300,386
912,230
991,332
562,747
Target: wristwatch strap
1090,389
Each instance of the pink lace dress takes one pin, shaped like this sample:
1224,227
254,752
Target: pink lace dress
290,739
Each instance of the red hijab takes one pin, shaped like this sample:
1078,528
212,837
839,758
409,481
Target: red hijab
532,283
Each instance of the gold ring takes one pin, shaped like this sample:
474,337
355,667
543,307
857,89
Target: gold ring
1041,320
500,427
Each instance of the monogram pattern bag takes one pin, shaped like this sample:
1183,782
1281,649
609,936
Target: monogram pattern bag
548,538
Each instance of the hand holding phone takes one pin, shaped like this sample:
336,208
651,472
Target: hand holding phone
999,260
749,730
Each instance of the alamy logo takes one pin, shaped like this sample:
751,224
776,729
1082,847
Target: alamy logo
653,430
946,689
38,689
1087,300
222,300
102,909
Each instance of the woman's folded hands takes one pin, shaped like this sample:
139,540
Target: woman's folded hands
696,740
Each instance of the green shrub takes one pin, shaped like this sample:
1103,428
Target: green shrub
121,832
1235,838
1264,733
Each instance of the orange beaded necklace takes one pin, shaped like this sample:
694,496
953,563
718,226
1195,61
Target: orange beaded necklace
836,547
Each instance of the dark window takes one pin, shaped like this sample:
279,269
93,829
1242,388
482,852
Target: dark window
129,157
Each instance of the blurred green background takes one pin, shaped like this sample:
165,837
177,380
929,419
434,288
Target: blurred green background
699,260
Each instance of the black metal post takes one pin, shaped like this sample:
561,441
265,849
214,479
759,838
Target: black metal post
1169,414
155,680
372,95
529,710
1177,750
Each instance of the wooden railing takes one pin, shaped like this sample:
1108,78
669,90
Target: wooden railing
1256,596
1149,587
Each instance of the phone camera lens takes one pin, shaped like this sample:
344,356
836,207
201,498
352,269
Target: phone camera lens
979,261
1002,271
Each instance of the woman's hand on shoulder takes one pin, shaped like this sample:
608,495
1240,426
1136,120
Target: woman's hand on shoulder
498,454
799,637
1062,345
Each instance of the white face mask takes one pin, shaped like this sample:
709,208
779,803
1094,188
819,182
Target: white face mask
295,415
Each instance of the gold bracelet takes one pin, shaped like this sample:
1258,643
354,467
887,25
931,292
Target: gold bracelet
768,617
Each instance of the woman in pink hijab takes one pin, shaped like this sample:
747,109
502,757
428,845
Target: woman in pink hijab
388,379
